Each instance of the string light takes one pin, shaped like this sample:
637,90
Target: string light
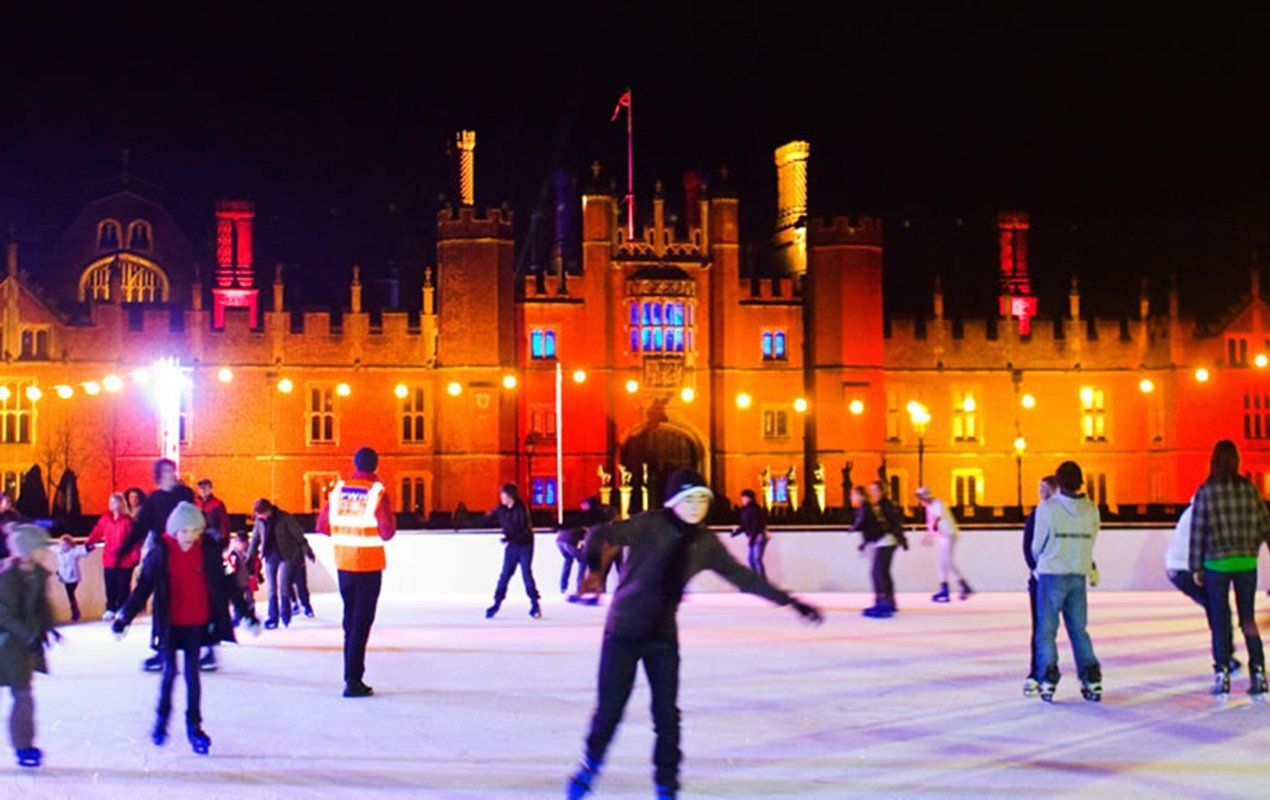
34,394
5,394
92,388
800,405
343,390
226,375
509,381
632,386
285,386
65,392
743,400
1028,401
1201,375
1260,361
1146,386
112,383
455,388
688,394
579,376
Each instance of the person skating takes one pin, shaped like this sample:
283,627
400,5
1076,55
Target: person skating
1229,524
512,517
882,531
111,530
150,521
301,601
752,521
358,517
1046,489
570,544
1177,568
26,620
214,510
941,527
668,546
184,571
1066,528
245,569
278,540
69,555
592,589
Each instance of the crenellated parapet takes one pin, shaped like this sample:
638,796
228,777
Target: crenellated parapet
466,222
859,231
771,289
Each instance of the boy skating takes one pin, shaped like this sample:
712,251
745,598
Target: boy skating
941,529
185,573
26,619
667,547
1063,544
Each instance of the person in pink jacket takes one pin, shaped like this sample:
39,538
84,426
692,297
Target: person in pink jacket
118,565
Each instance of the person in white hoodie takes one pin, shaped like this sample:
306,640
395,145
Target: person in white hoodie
1063,543
1177,566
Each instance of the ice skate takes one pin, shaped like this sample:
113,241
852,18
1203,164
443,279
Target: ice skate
966,591
29,757
876,611
579,785
666,793
208,662
199,741
1257,685
358,689
493,610
159,734
1048,685
1221,686
1091,685
109,616
942,595
535,610
1031,687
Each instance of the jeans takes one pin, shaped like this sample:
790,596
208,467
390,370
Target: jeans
1055,595
118,582
883,585
278,572
571,555
299,589
1031,596
188,640
521,555
70,598
1185,583
1217,593
360,592
758,546
619,658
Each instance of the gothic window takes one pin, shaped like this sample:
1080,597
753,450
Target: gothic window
661,326
321,414
108,235
775,423
139,235
543,492
35,343
16,412
1257,416
774,346
542,344
140,280
412,498
412,419
1093,414
965,417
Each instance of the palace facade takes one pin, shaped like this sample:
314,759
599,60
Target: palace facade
651,352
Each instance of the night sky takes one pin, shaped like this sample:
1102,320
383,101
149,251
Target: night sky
1141,144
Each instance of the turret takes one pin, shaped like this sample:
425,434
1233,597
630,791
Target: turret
465,147
791,207
355,291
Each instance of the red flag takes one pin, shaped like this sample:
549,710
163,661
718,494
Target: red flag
622,102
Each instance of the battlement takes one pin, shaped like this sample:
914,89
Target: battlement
654,248
861,230
779,288
466,222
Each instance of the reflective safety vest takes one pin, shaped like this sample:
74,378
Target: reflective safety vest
354,528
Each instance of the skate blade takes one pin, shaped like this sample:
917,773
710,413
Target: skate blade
1260,699
1221,700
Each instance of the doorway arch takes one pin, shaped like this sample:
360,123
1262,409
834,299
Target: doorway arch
664,447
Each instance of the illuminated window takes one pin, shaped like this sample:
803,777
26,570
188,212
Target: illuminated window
1257,416
542,420
321,414
139,237
35,343
1237,352
412,497
775,423
412,418
658,326
774,348
965,417
1093,414
1096,488
543,492
967,487
317,489
780,489
140,281
893,414
16,414
108,235
542,343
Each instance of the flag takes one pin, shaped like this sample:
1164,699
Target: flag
622,102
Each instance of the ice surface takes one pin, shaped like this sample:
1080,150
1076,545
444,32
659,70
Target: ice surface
923,705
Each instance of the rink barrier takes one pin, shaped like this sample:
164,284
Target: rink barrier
435,563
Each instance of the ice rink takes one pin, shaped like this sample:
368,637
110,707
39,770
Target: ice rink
924,705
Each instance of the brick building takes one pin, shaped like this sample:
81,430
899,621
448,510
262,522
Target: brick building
668,353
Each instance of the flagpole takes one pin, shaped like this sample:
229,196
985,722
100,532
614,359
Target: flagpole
630,167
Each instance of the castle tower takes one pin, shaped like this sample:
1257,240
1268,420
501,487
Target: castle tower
1017,300
791,206
235,279
465,145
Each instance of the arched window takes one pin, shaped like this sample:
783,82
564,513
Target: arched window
139,235
140,280
108,235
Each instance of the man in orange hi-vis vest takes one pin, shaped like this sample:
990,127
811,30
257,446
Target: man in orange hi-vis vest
359,519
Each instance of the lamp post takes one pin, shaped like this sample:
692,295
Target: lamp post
919,415
1020,446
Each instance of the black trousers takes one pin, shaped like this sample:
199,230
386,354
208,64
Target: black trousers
517,555
758,547
1031,641
70,598
187,640
619,658
360,592
1217,587
300,585
118,582
883,585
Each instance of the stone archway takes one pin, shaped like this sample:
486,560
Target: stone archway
664,447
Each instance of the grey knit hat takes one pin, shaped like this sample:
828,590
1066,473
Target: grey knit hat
24,540
185,515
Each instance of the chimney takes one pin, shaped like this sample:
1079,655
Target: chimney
938,300
429,294
234,285
355,291
465,143
279,289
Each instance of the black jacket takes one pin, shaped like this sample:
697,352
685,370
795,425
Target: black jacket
514,523
1029,531
280,535
866,524
752,521
222,590
155,510
664,554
